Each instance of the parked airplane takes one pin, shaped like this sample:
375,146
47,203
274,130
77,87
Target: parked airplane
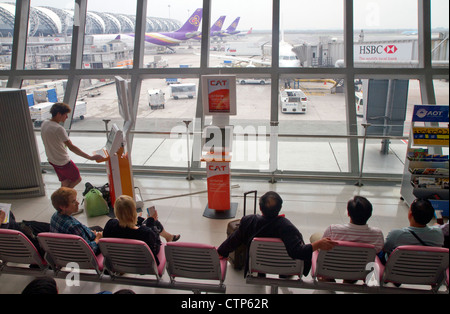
231,30
216,29
188,31
288,58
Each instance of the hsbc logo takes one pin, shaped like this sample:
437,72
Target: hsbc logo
390,49
377,49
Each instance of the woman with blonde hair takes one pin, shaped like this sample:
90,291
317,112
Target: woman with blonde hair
129,226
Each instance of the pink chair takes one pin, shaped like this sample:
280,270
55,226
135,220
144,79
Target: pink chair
15,247
131,257
347,261
62,249
269,256
417,265
196,261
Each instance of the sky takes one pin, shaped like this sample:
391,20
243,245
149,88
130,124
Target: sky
296,14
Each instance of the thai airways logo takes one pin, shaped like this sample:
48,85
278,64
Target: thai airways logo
390,49
422,113
219,23
195,20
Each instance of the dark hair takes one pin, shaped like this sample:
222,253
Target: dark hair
59,107
422,211
270,204
359,209
43,285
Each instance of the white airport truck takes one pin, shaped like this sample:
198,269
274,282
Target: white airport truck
183,91
156,99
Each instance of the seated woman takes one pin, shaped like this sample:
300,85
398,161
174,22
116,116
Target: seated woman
126,226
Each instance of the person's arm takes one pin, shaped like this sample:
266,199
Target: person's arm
74,149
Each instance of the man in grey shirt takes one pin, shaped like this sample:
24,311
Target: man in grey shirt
418,233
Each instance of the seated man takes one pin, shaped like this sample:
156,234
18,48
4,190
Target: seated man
418,233
359,209
65,202
271,225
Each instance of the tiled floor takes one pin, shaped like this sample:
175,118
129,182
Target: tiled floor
311,206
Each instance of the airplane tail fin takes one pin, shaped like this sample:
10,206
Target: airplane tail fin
192,23
250,31
233,25
217,27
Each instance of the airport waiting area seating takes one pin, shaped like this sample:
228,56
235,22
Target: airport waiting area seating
131,257
129,262
426,267
17,252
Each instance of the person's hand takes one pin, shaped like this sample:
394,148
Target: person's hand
155,216
96,157
2,216
324,244
98,236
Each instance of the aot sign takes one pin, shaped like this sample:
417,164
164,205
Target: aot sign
393,52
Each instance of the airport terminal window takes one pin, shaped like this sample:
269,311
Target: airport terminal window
303,25
237,38
109,40
439,26
386,33
311,33
173,34
7,13
49,36
387,116
313,107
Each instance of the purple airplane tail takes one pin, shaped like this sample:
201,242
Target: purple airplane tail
217,27
192,23
233,26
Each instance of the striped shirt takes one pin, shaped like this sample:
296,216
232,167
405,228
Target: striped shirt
356,233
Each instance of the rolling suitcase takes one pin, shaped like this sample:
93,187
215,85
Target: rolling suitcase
238,257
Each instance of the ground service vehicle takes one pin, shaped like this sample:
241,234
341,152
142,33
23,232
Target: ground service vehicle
359,103
156,99
293,101
183,91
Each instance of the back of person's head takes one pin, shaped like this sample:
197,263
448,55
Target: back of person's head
60,198
359,209
270,204
125,211
422,211
59,107
44,285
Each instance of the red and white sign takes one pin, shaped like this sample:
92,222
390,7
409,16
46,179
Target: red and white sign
381,52
219,188
219,95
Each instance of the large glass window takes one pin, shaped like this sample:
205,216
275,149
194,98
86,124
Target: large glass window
241,33
307,110
439,28
49,35
311,33
7,14
386,33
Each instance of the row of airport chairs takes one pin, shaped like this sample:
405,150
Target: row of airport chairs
198,264
426,268
119,258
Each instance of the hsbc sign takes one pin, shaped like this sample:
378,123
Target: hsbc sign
374,52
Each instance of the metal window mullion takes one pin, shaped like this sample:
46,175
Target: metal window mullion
204,66
19,47
138,62
352,127
76,57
